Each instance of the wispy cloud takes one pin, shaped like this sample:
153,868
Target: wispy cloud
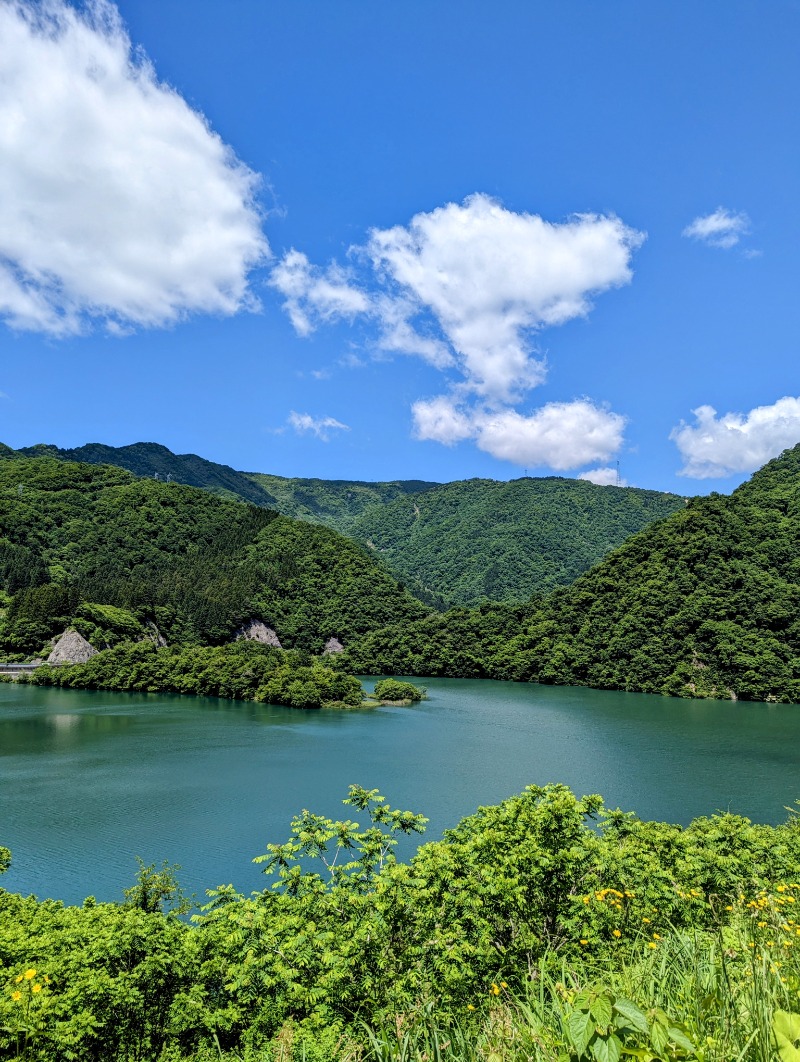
723,228
118,203
305,424
314,296
717,446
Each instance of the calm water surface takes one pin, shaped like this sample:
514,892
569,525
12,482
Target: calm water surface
88,781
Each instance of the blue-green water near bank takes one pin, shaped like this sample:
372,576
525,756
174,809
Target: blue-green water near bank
88,781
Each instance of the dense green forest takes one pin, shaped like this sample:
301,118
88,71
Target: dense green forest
117,557
241,671
704,603
459,543
546,928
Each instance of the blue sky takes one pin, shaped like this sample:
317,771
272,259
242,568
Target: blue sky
408,240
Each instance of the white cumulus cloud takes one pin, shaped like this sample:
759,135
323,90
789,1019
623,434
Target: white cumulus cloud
604,477
117,201
305,424
490,277
736,442
723,228
440,420
559,435
314,296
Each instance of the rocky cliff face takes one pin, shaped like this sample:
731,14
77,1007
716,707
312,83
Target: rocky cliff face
333,645
71,648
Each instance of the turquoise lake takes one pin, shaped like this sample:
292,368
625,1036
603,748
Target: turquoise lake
89,781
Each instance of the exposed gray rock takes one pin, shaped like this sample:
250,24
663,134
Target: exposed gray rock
256,631
71,648
333,645
154,635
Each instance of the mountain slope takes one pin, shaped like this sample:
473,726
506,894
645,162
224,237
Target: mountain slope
482,540
458,543
703,603
336,503
478,540
73,535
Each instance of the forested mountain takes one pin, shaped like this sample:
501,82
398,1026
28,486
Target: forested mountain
478,540
704,603
458,543
481,540
97,546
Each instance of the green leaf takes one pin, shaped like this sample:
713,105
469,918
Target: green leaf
581,1029
786,1030
607,1049
659,1037
600,1009
678,1036
632,1014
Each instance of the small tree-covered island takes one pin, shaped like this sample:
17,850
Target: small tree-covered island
547,927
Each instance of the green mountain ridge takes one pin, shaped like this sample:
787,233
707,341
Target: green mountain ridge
154,460
459,543
705,603
479,540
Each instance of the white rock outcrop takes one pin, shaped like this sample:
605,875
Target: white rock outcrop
71,648
333,645
256,631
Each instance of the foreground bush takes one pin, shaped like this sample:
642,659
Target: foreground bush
544,928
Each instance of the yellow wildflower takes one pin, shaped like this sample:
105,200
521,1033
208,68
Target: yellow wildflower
651,945
30,974
584,941
16,996
36,988
617,933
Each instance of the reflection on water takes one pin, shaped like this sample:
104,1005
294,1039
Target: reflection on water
89,780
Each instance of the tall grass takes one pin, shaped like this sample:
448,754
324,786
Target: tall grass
715,994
